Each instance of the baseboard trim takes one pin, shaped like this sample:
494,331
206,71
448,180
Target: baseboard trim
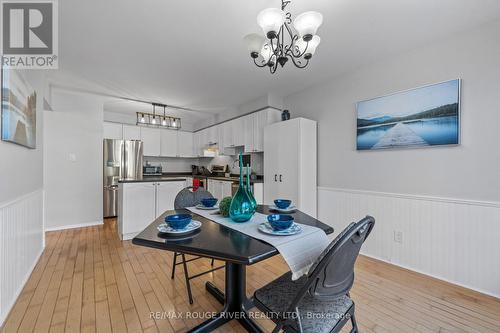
73,226
432,276
20,289
414,197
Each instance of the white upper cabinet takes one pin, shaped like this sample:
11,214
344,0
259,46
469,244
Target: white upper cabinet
168,144
238,132
151,138
185,144
112,131
212,136
227,130
220,138
248,132
131,132
196,144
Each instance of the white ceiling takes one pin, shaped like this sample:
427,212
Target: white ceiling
191,53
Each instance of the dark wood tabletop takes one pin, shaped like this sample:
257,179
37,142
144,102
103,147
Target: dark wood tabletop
217,241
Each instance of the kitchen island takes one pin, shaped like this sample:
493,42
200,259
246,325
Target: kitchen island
141,201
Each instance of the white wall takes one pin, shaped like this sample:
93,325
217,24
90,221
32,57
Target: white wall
468,175
73,189
470,171
21,206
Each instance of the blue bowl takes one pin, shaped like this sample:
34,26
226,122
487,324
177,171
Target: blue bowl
282,203
279,221
209,202
178,221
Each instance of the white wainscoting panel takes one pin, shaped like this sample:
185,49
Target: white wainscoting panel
21,244
450,239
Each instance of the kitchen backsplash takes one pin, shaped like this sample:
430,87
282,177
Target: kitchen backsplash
172,164
257,162
175,164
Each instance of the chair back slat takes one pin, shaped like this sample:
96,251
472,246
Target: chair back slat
333,272
189,198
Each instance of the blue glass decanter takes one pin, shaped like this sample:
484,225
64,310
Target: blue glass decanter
241,209
249,189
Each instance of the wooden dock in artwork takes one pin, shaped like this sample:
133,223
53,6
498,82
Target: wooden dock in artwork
400,136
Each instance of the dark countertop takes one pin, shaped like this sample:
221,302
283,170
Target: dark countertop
181,176
233,178
151,179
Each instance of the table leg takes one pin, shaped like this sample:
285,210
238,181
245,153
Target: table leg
235,301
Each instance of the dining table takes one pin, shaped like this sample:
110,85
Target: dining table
236,249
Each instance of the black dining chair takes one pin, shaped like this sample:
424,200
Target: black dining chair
319,301
189,197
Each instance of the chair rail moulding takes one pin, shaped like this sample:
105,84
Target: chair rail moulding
454,240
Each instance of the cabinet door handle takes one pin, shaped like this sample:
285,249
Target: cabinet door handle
275,177
280,178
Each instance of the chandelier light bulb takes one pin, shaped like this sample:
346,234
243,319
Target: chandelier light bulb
164,122
266,52
153,121
174,124
142,119
311,47
271,20
307,24
254,44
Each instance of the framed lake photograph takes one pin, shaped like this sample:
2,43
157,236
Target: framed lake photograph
18,109
421,117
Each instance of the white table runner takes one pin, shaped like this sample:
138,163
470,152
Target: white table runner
299,251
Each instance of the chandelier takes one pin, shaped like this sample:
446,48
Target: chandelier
158,120
284,41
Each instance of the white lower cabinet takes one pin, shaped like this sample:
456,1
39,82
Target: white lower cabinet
219,188
136,208
139,204
165,195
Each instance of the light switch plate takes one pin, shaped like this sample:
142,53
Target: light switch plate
72,157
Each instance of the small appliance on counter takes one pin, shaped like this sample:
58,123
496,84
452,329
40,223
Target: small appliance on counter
151,170
218,170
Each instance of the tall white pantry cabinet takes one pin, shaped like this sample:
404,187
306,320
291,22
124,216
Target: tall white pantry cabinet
290,163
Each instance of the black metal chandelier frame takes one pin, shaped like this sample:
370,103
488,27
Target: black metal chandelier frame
281,51
157,120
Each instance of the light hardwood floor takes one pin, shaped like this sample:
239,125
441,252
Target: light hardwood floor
89,281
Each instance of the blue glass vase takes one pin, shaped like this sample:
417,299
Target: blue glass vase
249,189
241,209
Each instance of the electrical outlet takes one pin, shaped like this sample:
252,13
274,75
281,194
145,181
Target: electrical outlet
398,236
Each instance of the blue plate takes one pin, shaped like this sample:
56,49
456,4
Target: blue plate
200,206
267,229
289,209
166,229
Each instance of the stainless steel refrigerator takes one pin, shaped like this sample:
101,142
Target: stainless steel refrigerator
122,160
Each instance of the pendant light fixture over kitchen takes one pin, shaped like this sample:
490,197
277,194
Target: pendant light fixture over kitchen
282,41
152,119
